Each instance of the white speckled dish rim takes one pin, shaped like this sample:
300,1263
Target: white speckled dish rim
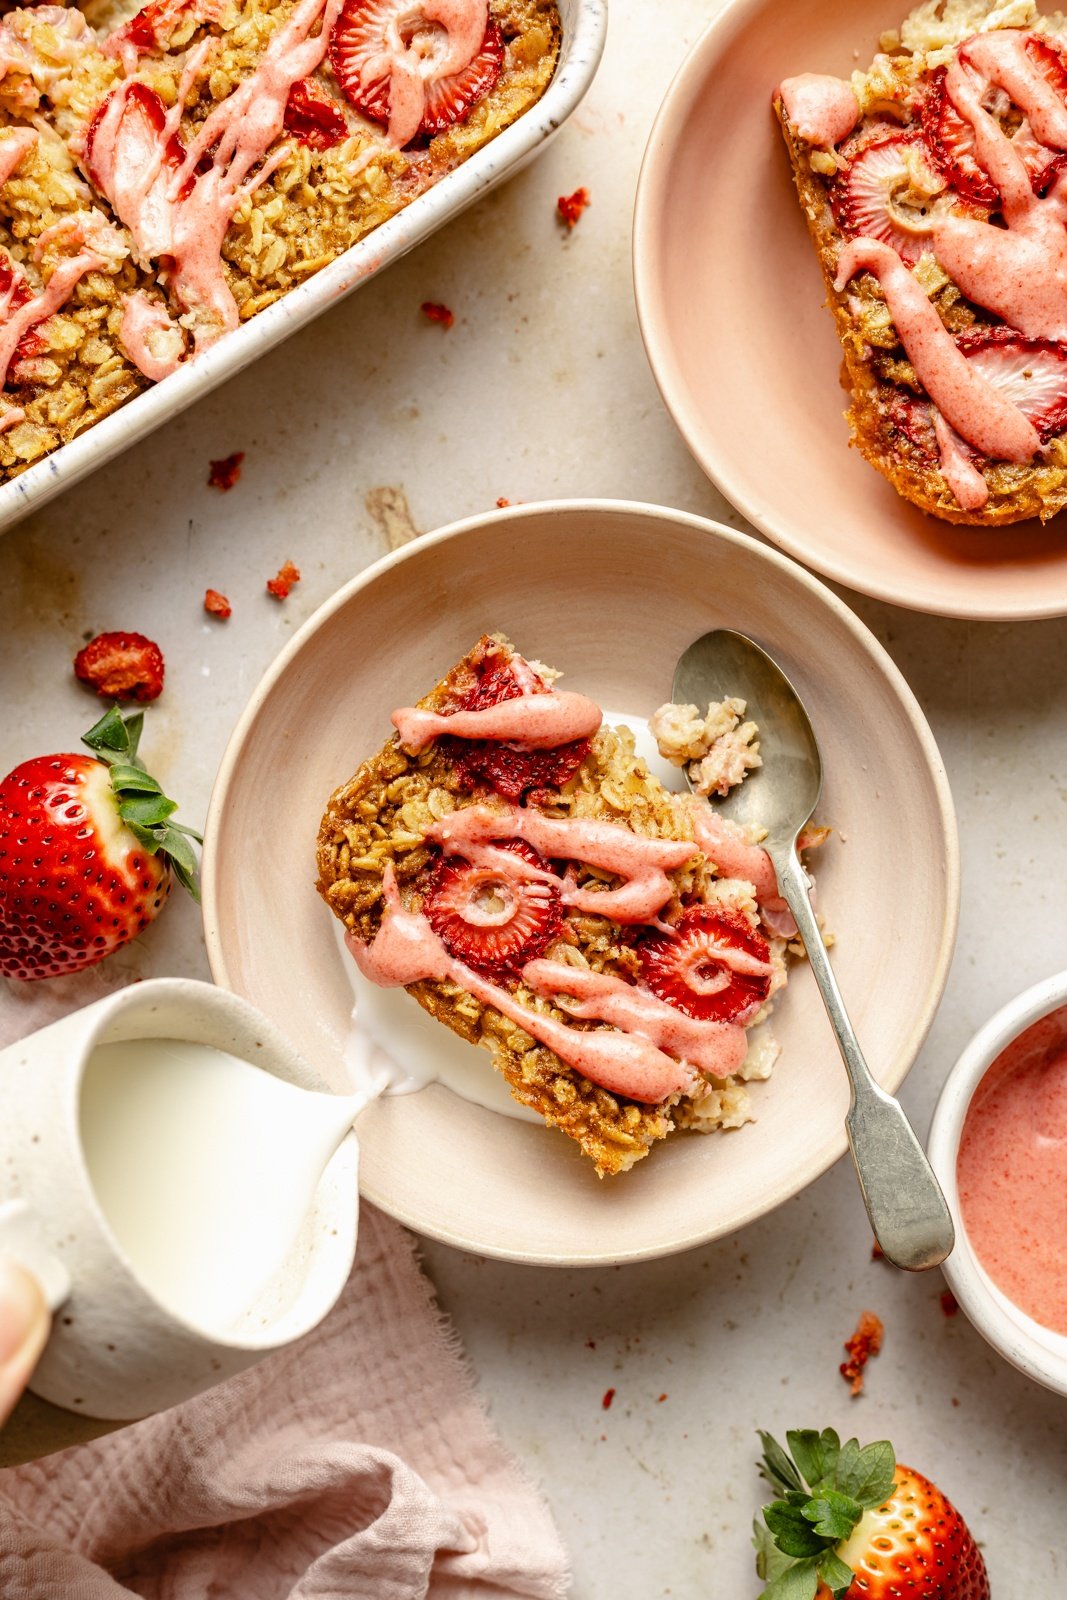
584,32
487,1192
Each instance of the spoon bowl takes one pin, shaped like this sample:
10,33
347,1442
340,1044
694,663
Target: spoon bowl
907,1210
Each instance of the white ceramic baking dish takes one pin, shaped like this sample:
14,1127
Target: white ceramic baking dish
584,31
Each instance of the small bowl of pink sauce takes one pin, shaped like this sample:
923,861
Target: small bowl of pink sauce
998,1144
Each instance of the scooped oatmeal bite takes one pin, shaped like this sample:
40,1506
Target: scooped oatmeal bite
168,172
509,860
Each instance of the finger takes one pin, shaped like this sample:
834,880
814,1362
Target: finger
24,1324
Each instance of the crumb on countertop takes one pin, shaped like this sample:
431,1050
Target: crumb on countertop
860,1347
570,206
433,311
225,473
283,581
217,604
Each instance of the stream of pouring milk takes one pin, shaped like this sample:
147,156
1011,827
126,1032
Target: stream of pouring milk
205,1168
394,1047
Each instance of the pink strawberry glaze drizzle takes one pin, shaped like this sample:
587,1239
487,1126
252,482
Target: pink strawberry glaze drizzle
643,863
15,321
13,148
736,858
464,23
958,470
624,1061
533,721
184,213
822,109
11,418
1018,271
141,318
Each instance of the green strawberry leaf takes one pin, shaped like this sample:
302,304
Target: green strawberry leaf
797,1582
832,1515
793,1533
148,810
867,1475
835,1573
776,1467
770,1561
816,1455
143,807
116,735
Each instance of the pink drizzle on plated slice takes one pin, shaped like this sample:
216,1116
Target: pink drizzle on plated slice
822,109
531,721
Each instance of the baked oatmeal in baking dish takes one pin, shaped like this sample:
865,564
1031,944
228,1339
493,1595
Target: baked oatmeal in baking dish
934,184
166,173
508,859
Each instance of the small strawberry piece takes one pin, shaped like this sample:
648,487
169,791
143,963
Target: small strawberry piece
516,774
225,473
714,965
315,120
950,138
490,920
280,586
121,666
502,503
1032,373
142,120
866,198
852,1523
87,853
433,311
217,604
949,1304
606,1399
569,207
863,1344
16,292
363,56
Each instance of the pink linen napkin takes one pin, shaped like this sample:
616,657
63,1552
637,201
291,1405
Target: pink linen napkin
356,1463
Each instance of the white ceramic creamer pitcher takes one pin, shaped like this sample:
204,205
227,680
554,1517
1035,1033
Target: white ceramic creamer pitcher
136,1332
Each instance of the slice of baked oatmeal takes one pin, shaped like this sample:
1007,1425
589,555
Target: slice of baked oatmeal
509,860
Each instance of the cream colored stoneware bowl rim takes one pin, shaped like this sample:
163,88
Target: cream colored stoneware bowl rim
866,642
708,53
1009,1335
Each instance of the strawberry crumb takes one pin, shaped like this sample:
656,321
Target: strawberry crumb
217,604
121,666
282,582
864,1343
877,1253
571,206
590,1344
609,1395
660,1399
433,312
949,1304
225,473
503,503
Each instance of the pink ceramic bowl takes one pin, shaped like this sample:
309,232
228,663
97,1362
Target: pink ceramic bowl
730,300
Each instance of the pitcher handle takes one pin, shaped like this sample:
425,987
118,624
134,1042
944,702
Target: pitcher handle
22,1239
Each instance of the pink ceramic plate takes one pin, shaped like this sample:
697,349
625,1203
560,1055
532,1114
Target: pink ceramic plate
612,594
730,300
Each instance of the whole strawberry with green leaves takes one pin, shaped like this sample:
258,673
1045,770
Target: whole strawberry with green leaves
854,1524
88,851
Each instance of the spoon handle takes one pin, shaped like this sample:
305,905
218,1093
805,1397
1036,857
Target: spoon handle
907,1210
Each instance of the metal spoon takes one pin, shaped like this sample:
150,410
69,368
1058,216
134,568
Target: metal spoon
904,1202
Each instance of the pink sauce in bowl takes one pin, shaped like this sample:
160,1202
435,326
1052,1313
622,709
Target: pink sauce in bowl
1011,1171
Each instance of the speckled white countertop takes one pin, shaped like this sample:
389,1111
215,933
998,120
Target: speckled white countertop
542,390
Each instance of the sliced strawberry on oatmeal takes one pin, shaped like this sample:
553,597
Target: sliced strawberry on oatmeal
713,965
1032,373
888,191
314,119
416,68
14,293
489,919
515,774
949,135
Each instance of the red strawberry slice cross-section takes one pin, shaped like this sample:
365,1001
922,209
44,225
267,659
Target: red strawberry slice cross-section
515,774
950,138
490,919
364,48
864,197
1032,373
315,120
713,965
